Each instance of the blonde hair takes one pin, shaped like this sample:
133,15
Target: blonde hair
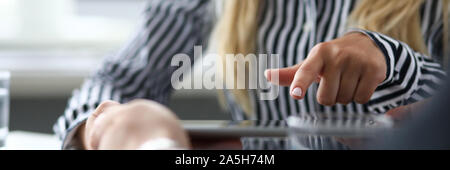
236,30
236,34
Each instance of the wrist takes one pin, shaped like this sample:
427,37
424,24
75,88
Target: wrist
389,58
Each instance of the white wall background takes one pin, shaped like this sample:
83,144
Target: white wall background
51,45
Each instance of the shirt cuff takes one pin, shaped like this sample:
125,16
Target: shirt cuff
70,142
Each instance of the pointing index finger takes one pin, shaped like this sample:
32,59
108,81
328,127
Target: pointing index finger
306,75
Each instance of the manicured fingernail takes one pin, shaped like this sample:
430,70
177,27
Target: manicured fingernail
297,92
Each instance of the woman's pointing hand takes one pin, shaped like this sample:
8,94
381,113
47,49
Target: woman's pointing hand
349,68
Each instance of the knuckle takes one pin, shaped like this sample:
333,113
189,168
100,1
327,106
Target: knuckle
142,106
139,102
344,100
102,107
307,69
377,72
325,101
380,77
323,47
106,103
380,66
334,55
362,99
376,65
342,60
376,68
330,48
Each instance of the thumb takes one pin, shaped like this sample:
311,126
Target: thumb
89,123
285,75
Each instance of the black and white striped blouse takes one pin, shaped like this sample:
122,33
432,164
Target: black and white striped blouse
289,28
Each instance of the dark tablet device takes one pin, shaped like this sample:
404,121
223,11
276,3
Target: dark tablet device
318,124
234,129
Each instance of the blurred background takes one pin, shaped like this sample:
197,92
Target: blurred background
50,46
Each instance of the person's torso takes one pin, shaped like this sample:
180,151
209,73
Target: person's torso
290,28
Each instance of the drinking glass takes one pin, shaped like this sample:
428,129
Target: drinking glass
4,106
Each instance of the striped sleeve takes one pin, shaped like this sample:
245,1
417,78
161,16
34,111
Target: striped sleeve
142,68
411,76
